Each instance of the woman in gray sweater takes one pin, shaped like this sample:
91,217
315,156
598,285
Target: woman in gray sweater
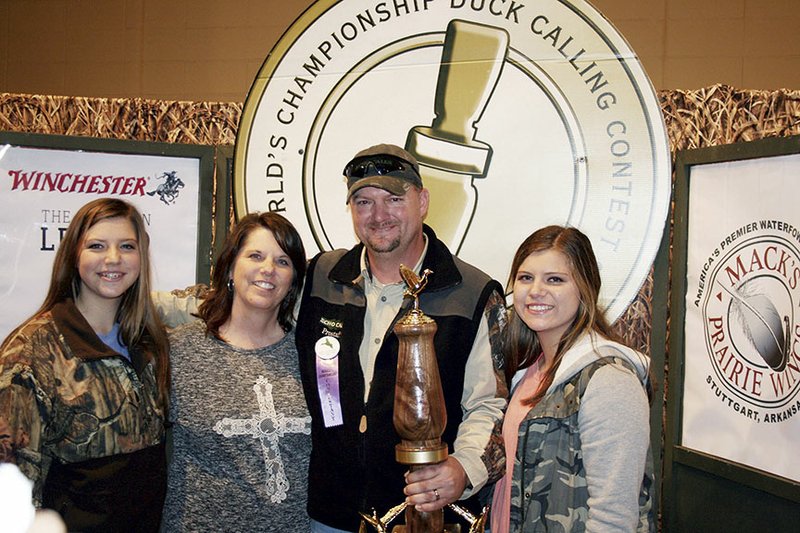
241,430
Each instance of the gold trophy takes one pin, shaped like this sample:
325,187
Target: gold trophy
419,415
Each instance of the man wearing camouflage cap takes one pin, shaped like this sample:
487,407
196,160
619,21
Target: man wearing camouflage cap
348,351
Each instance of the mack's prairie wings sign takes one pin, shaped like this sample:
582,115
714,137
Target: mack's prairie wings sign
741,327
521,114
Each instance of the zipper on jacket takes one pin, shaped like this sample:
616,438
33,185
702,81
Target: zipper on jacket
521,452
362,457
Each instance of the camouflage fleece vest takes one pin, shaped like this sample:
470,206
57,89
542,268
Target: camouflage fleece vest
552,473
65,397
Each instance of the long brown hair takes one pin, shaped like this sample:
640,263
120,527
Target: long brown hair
140,327
215,310
521,344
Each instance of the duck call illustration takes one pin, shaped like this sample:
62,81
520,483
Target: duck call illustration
767,331
448,152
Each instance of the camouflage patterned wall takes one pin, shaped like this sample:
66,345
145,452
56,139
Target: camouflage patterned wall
699,118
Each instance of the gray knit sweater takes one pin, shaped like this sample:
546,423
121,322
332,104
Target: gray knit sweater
241,436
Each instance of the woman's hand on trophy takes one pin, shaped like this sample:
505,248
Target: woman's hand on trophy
432,487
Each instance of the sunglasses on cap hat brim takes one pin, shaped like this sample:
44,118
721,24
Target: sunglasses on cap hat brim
381,165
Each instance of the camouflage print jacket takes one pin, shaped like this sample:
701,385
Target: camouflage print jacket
66,398
550,491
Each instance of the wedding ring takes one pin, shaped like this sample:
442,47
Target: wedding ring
436,493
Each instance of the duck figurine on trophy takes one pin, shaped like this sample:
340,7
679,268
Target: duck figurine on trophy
419,415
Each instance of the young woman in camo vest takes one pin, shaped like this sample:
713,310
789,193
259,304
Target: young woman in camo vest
576,431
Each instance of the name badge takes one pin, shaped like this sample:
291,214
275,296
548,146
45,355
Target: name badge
327,350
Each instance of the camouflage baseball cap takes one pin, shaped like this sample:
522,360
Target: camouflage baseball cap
384,166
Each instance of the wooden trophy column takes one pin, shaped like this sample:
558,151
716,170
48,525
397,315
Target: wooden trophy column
419,415
419,411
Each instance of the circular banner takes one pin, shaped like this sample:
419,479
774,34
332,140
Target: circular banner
521,115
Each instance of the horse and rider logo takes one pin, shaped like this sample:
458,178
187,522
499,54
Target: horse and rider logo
169,189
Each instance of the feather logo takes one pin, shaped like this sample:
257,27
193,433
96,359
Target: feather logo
762,324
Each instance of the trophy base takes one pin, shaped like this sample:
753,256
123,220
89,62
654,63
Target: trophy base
448,528
477,524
